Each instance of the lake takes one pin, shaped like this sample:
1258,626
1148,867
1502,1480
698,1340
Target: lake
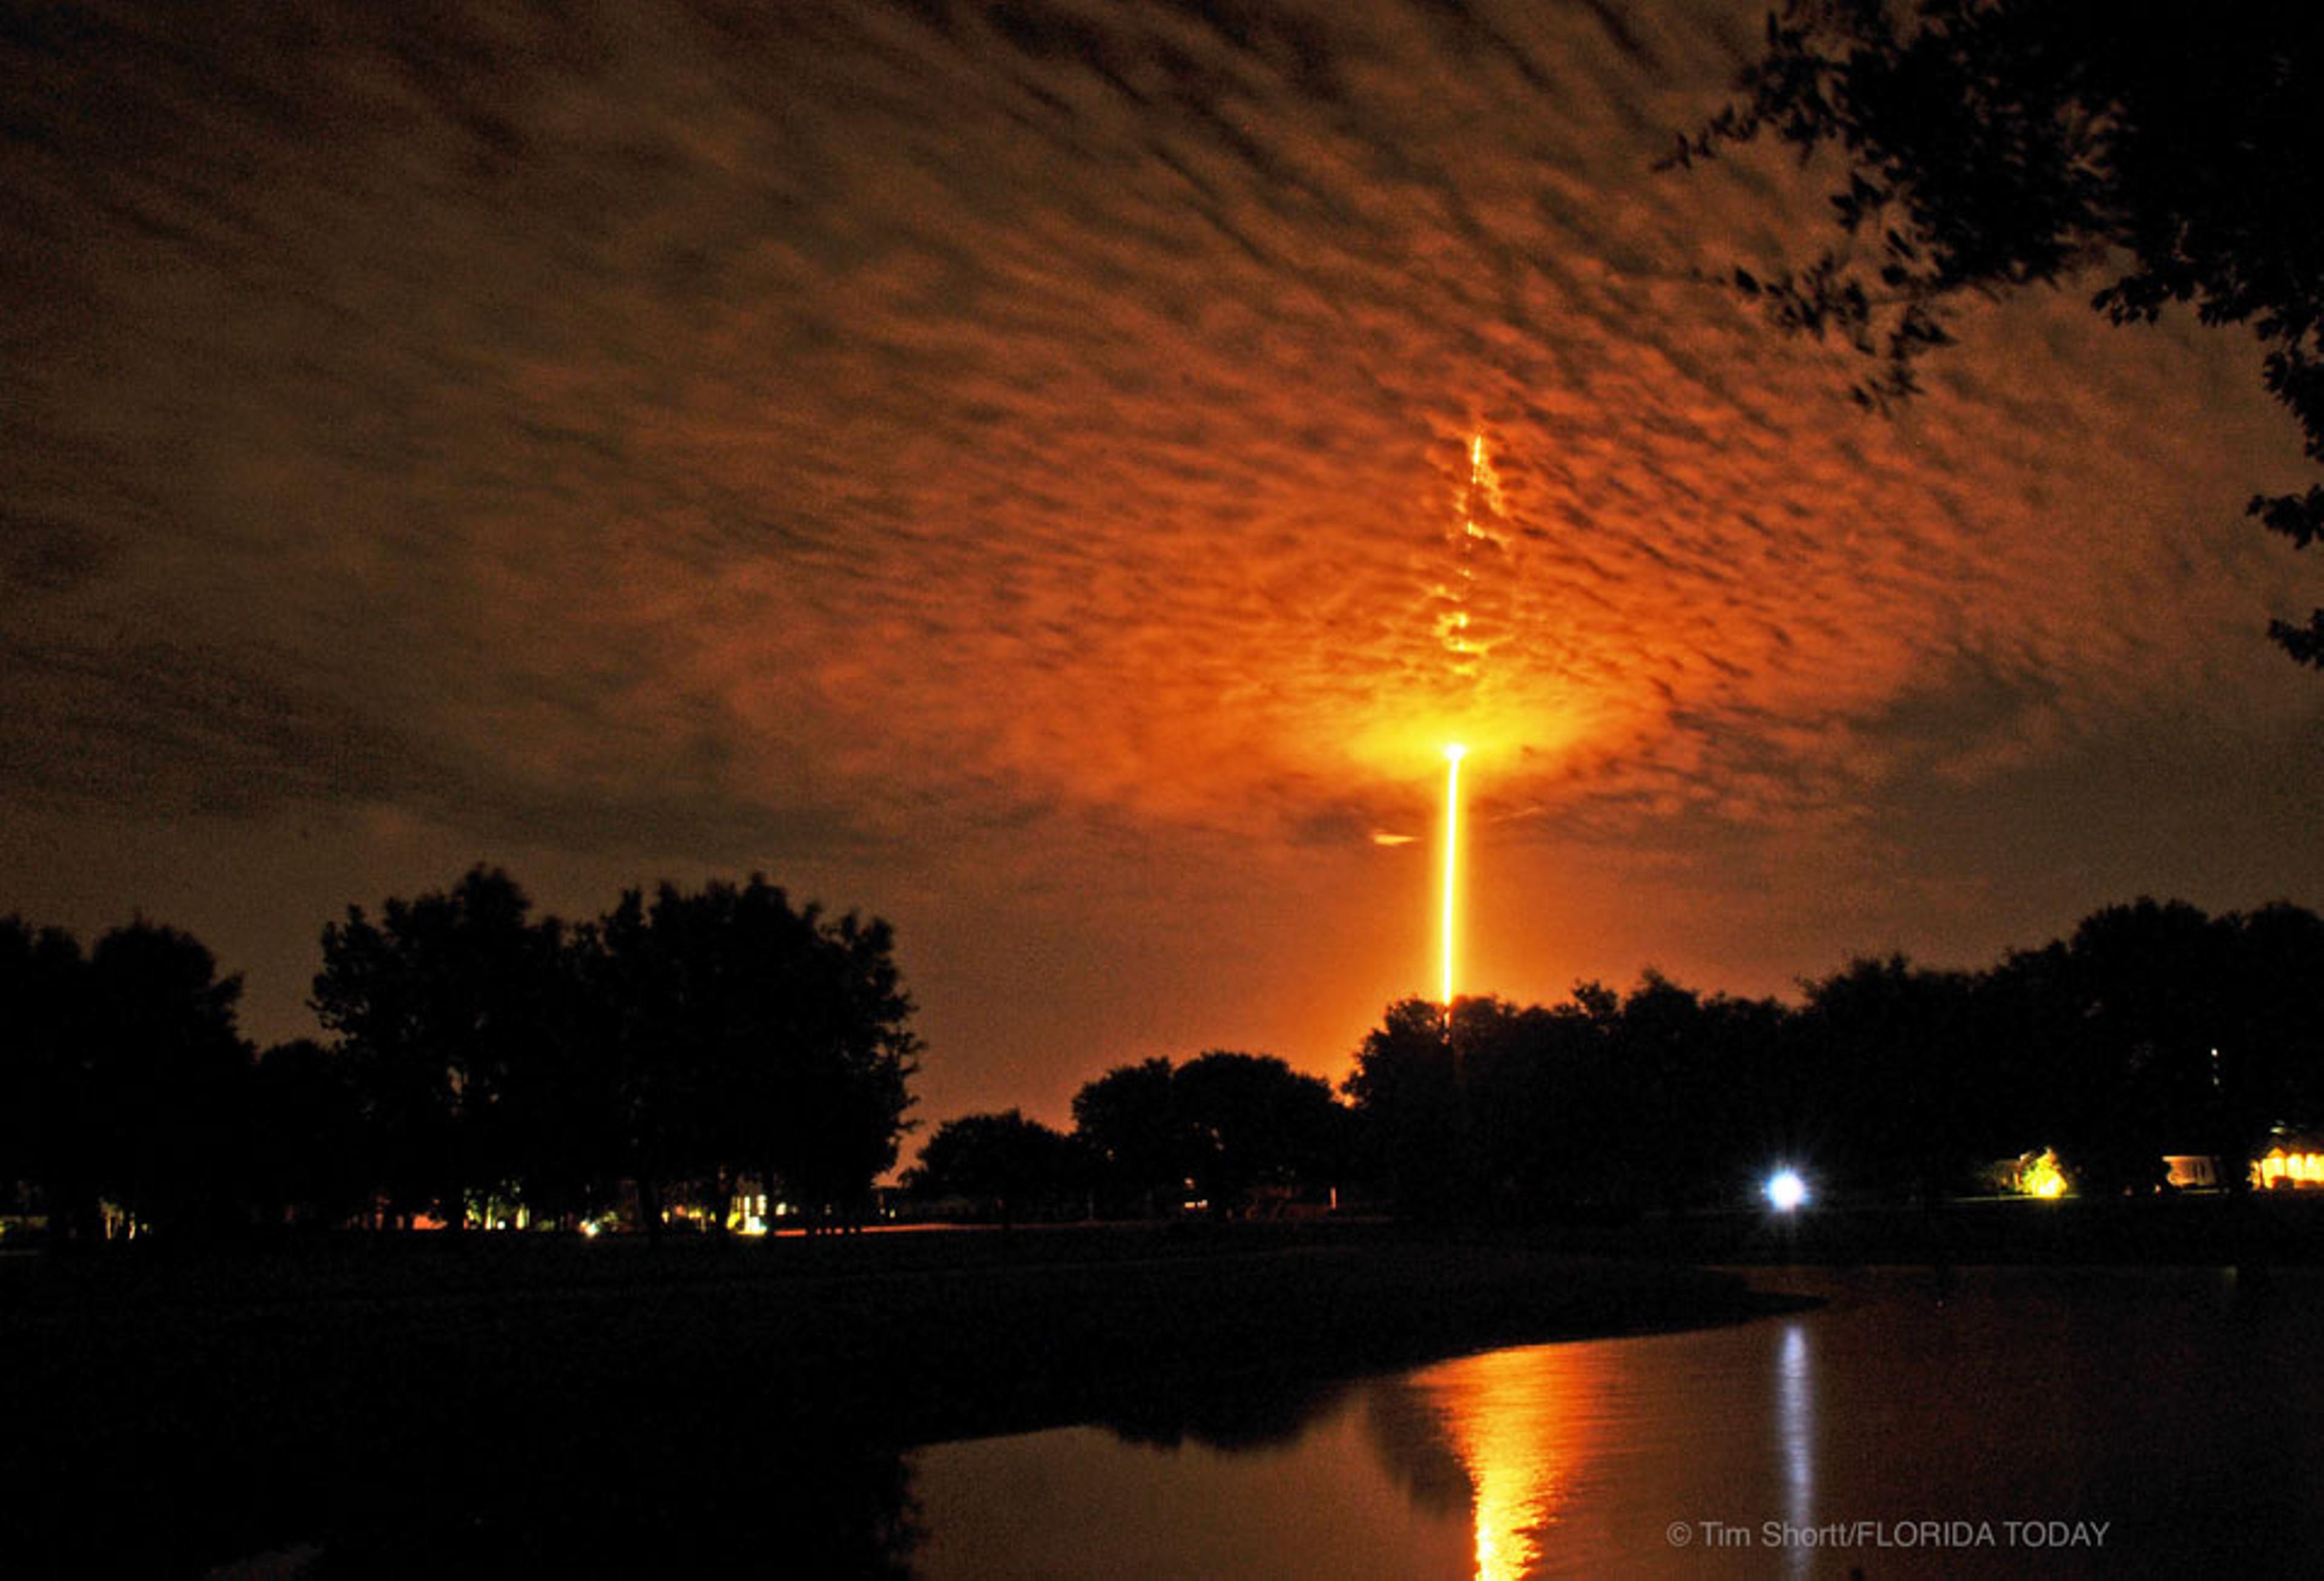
1978,1422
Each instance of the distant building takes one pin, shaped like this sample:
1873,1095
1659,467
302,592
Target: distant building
2193,1171
2294,1161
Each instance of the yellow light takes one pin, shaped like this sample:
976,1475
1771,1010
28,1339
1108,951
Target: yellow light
1521,1422
1453,756
2042,1176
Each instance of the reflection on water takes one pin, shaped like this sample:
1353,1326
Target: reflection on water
1080,1502
1794,1420
2060,1422
1520,1421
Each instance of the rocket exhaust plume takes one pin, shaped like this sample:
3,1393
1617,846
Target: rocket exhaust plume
1467,652
1453,756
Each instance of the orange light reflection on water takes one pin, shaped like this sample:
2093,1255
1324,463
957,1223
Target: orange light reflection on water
1522,1423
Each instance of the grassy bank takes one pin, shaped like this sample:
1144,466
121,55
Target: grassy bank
501,1403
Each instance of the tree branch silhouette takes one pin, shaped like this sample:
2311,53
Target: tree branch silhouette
1987,145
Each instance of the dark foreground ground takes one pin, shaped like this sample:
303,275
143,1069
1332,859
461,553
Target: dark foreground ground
521,1406
538,1406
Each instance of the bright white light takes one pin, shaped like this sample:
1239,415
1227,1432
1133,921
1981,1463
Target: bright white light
1785,1190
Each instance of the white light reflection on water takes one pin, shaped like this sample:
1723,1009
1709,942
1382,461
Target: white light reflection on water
1795,1436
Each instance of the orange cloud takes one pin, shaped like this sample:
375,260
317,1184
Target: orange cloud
1032,447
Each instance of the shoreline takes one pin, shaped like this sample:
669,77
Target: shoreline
522,1404
479,1403
934,1333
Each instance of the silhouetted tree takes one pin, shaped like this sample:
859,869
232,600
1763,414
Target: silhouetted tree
1509,1066
1990,145
1129,1120
1892,1047
748,1037
2150,983
175,1075
125,1079
444,1009
1011,1166
1411,1120
306,1139
1220,1125
1760,1114
1704,1079
2270,1061
1601,1103
1250,1120
655,1102
2155,1029
53,1104
1587,1141
2042,1076
1658,1045
844,1089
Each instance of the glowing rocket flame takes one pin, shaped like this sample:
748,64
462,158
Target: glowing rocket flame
1453,756
1452,629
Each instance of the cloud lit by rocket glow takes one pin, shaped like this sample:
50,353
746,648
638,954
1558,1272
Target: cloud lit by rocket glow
1005,468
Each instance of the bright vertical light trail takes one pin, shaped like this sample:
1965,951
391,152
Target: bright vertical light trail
1453,756
1452,630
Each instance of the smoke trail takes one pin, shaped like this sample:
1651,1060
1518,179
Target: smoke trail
1465,632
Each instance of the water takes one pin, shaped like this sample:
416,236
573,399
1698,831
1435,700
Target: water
1993,1422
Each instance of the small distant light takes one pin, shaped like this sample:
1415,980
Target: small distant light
589,1229
1785,1190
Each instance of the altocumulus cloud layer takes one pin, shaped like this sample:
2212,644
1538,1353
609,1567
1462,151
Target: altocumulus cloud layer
1005,466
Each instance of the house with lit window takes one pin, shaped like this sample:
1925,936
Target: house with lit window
2293,1161
2192,1171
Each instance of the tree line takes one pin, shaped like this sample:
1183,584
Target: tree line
479,1065
482,1064
1149,1140
2154,1028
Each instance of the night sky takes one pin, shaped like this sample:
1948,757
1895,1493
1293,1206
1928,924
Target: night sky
1004,468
